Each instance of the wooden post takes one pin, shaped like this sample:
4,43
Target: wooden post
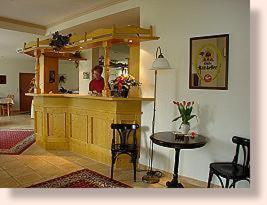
106,92
134,60
37,69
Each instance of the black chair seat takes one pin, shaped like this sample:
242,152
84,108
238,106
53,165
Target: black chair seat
125,148
229,170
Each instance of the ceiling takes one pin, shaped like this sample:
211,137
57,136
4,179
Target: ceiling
25,20
124,18
50,12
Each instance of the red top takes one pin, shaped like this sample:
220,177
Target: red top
97,85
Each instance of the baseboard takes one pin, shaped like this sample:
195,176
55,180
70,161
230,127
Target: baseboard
189,180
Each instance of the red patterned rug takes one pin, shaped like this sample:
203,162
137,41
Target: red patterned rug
15,141
84,178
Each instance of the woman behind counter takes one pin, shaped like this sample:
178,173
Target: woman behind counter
97,83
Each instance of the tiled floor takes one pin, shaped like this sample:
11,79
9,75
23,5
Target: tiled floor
36,164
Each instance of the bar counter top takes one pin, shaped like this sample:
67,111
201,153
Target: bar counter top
91,97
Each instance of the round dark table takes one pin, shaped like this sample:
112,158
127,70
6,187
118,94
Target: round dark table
178,142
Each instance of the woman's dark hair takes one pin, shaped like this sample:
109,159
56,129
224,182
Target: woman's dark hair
98,68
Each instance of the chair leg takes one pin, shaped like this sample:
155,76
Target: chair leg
210,178
227,183
134,167
113,159
234,181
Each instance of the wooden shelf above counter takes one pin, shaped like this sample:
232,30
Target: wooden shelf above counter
91,97
109,36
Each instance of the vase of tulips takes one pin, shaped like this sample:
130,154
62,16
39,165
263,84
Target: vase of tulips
185,110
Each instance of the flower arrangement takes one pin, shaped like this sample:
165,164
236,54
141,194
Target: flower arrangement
125,81
121,85
185,109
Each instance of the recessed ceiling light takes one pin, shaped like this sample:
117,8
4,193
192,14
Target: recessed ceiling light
130,41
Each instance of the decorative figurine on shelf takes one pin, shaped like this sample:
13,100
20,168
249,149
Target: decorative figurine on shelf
97,83
32,86
58,41
122,84
185,109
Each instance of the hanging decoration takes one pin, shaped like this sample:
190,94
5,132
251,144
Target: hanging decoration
58,41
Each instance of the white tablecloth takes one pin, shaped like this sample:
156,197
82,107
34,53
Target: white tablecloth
6,101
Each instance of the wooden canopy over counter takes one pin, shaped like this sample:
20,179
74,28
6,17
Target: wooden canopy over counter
81,123
47,57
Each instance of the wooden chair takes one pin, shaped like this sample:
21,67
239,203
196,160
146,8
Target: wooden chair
124,144
7,108
233,170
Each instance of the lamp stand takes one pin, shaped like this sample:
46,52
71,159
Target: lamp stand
151,176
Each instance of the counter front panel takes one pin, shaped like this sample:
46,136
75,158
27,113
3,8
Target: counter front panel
82,125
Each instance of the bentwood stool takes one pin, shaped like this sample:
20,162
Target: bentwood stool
233,170
124,143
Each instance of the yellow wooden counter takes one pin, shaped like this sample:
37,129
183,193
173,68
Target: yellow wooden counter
81,123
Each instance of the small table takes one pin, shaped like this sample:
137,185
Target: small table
7,102
172,140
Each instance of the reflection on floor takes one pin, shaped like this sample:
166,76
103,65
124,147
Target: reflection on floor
36,164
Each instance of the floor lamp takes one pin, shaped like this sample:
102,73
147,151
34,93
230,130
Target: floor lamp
160,63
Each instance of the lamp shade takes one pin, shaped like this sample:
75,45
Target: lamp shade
160,64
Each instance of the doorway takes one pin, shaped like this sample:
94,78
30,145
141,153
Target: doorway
24,86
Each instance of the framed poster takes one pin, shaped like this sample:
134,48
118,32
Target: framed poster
2,79
209,62
86,75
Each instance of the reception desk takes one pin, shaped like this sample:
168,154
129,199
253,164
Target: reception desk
81,123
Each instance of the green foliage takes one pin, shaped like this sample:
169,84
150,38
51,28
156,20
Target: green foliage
185,110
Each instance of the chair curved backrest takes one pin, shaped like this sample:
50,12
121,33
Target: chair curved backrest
11,96
245,144
124,131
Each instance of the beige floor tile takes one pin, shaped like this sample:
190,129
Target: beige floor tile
70,167
14,164
28,179
6,158
50,172
38,164
22,171
28,159
86,162
4,174
55,160
9,183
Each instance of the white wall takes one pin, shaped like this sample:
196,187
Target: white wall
85,66
11,68
72,74
222,114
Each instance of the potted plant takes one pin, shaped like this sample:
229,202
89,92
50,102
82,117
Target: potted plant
122,84
185,110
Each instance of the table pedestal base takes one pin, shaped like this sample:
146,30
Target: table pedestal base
174,184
